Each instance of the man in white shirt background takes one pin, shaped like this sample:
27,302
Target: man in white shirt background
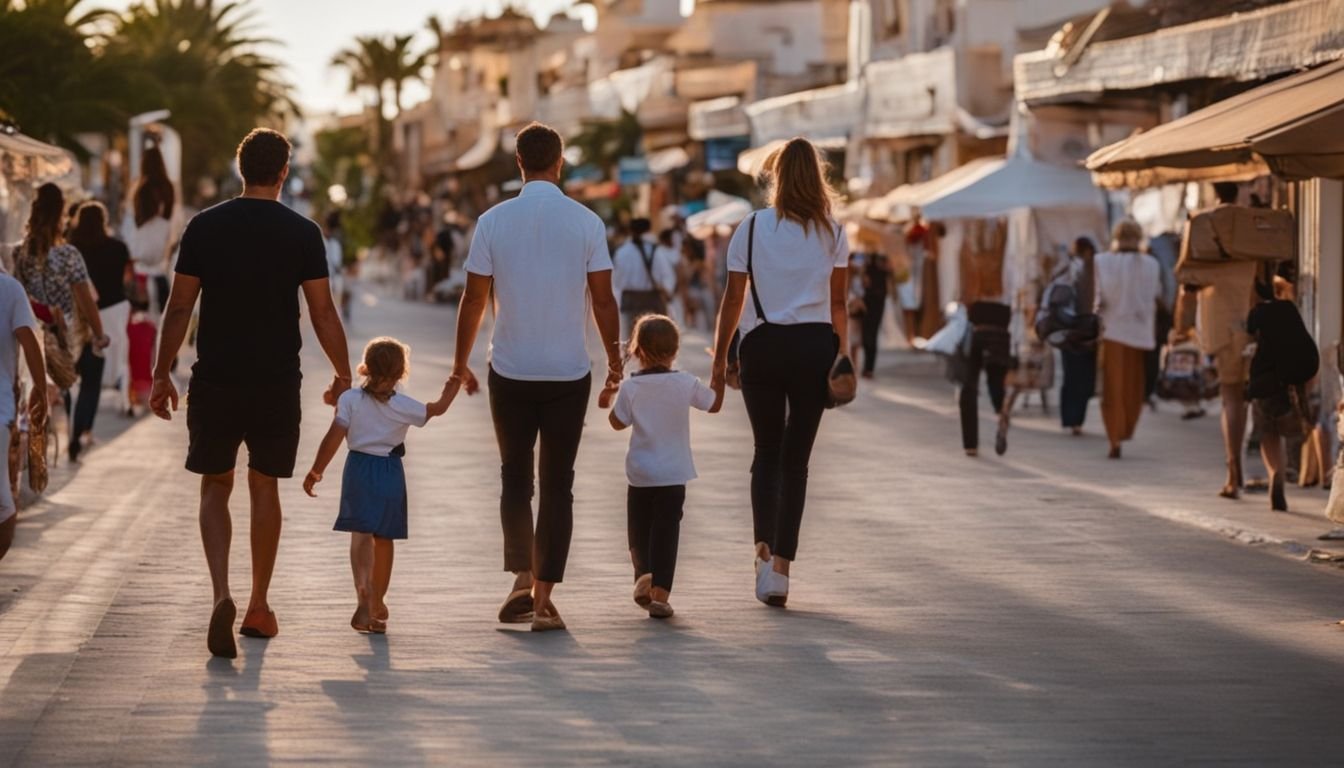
644,276
545,256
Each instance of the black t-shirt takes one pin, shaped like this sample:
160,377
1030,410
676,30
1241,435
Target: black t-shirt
251,257
107,262
876,271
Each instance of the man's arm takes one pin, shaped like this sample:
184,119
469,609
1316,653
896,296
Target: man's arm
609,327
326,321
840,305
176,318
470,313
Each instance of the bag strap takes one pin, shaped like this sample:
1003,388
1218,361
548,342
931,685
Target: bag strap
751,276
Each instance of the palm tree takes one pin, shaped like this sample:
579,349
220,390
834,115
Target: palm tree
53,81
208,69
381,67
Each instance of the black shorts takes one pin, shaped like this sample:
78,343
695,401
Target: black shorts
220,417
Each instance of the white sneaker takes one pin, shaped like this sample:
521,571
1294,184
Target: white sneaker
771,588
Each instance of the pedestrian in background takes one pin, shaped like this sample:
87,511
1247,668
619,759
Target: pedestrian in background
109,264
795,257
644,276
1220,295
988,348
1079,363
373,420
876,284
545,257
56,279
247,260
153,231
1128,289
656,402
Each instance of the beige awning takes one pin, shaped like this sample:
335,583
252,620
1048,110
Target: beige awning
40,162
1294,125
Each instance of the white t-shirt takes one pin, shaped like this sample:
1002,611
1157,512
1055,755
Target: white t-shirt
792,266
1129,286
657,407
375,427
629,273
15,313
540,248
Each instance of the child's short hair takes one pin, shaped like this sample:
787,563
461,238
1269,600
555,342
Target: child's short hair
386,362
655,339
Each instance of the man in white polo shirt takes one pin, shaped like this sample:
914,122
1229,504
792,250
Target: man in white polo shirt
545,256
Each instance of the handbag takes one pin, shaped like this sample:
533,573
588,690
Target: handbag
842,385
647,302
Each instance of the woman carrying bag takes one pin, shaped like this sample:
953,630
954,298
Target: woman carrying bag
793,259
57,281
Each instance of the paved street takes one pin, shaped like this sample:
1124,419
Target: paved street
1048,608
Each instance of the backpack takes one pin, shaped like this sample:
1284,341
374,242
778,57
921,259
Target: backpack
1059,324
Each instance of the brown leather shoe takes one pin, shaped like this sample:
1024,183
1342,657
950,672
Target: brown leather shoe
517,607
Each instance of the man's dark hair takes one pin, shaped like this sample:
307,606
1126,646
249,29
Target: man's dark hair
640,227
263,154
539,148
1226,191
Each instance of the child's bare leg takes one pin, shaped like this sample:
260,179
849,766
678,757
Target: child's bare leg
361,565
382,576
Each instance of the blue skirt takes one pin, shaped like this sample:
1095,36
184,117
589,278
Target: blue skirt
373,496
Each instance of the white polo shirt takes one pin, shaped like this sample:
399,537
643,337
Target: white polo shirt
1128,287
540,247
792,266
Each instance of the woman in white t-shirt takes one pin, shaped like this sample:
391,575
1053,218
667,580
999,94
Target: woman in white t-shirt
795,258
153,231
1128,288
373,421
657,402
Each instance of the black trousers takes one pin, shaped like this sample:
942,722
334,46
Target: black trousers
653,528
1080,384
90,389
981,358
522,412
784,370
874,308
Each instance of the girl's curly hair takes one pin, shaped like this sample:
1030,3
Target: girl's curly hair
386,363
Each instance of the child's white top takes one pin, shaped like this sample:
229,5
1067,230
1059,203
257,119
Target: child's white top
375,427
657,407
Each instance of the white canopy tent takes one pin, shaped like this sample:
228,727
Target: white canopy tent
1005,185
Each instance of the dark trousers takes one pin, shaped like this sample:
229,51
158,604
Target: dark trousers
996,373
522,412
653,527
1080,383
90,390
872,324
784,370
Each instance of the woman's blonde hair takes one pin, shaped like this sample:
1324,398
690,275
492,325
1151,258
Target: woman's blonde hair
386,363
798,189
655,340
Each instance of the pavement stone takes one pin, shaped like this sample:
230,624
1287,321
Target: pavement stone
1044,609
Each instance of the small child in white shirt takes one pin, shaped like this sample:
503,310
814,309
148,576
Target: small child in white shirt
657,402
373,420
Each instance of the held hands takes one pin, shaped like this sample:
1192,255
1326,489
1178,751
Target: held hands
467,380
615,374
162,396
718,380
339,384
102,342
1178,336
310,480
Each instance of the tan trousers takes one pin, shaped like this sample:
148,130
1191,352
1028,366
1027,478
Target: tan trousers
1121,389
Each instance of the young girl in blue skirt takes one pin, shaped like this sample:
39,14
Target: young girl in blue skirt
373,420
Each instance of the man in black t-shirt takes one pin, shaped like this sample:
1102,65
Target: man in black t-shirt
247,260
